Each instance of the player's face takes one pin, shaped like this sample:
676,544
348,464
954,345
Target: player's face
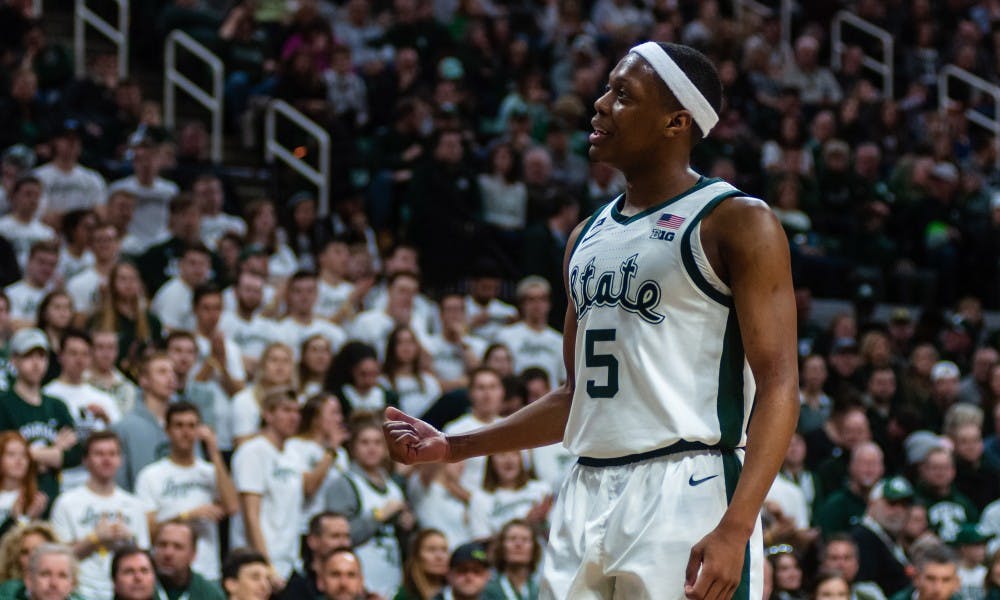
517,545
52,580
14,461
630,115
434,555
135,579
103,460
341,579
251,583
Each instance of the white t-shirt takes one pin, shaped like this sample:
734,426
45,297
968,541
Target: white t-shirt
77,399
413,400
215,226
169,489
7,500
260,468
436,508
234,357
70,265
24,300
307,454
149,223
500,314
172,305
488,512
63,191
473,469
448,359
282,263
373,328
76,513
250,336
293,333
533,348
84,289
791,499
331,298
246,413
425,317
22,235
372,401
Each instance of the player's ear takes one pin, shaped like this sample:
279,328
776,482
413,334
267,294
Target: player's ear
677,123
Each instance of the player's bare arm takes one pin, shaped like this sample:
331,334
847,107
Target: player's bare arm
543,422
749,250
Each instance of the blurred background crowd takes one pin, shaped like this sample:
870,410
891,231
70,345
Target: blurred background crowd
195,355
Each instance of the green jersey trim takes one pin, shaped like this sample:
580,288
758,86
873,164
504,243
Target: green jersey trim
622,219
731,398
731,469
590,223
687,255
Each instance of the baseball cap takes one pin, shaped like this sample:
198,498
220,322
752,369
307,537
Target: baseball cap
67,127
26,340
450,68
471,552
901,315
20,156
945,171
970,534
918,445
945,369
892,489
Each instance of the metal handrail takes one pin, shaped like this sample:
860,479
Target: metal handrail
884,67
116,35
172,78
320,177
762,10
950,72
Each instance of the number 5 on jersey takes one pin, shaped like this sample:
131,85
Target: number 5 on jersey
607,361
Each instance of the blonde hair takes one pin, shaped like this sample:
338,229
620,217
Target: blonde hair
10,547
262,385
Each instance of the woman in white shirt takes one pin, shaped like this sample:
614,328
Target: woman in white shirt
277,369
440,502
505,197
354,379
317,356
509,492
20,499
405,374
263,231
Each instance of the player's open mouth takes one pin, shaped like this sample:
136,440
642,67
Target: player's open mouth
599,135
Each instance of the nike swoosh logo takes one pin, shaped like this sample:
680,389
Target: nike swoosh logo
693,482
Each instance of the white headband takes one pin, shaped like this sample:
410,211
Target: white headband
683,89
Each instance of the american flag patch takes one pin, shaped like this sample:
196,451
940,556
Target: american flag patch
669,221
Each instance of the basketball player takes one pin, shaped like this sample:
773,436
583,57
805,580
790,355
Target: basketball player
682,320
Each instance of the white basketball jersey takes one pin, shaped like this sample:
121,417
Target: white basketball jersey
659,356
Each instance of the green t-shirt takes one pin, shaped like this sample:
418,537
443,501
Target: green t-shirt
840,512
40,425
15,590
198,589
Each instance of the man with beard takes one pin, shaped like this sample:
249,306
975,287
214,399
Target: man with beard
880,558
173,554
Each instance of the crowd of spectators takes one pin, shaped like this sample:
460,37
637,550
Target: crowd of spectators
192,379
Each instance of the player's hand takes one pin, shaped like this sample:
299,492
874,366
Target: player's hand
411,441
715,566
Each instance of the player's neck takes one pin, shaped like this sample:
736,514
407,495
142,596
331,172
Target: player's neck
648,186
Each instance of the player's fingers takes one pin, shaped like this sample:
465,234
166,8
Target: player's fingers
694,562
394,414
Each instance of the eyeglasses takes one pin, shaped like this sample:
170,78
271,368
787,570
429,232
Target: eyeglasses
781,549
